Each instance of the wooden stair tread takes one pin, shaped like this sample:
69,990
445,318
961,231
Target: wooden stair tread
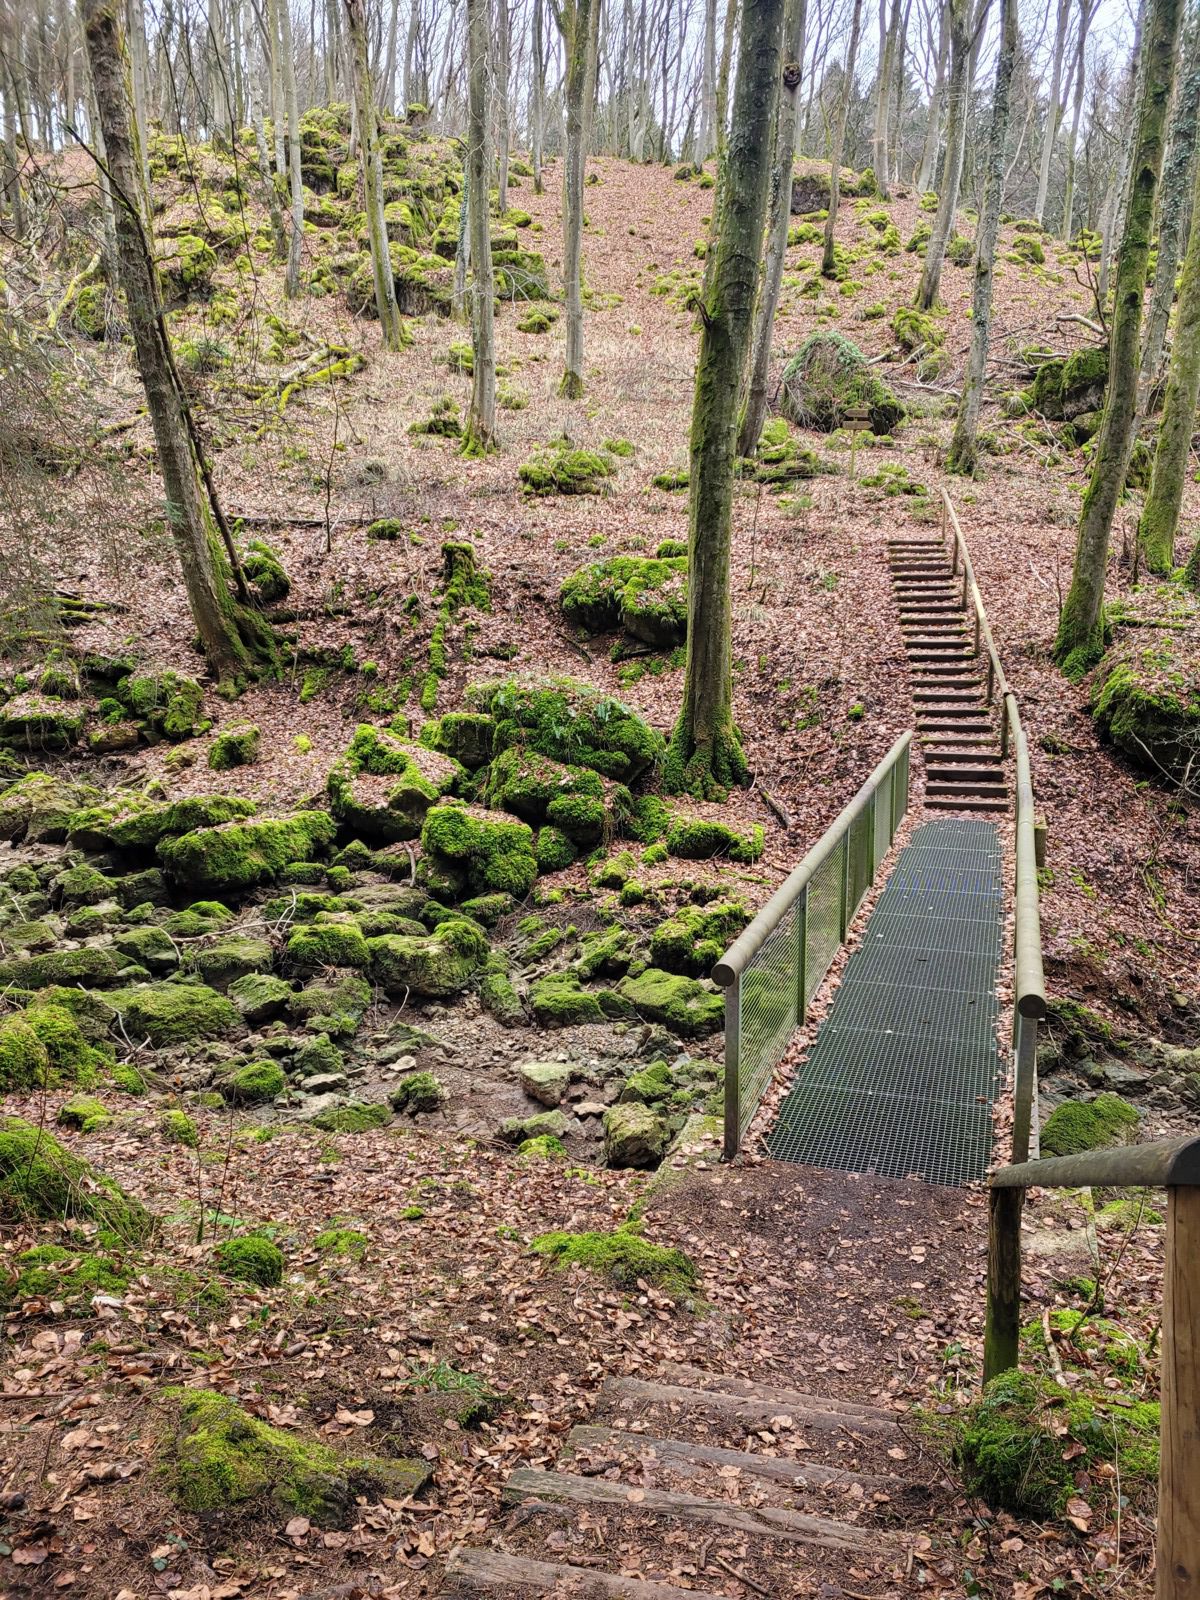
684,1453
748,1389
768,1522
806,1410
488,1569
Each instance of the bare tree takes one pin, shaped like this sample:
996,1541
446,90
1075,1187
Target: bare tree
372,175
579,23
480,437
839,139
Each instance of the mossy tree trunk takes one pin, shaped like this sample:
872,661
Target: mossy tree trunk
777,228
957,96
705,755
579,23
1172,211
962,455
503,63
1087,11
480,436
883,98
934,121
1160,516
270,194
1050,130
537,95
231,635
372,175
839,140
1080,639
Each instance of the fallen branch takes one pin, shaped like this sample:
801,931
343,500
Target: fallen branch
1084,322
783,815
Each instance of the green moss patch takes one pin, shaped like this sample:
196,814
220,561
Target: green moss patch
39,1177
827,378
436,965
251,1260
693,939
562,468
1087,1125
469,850
647,597
572,722
700,839
382,787
684,1005
173,1013
53,1273
622,1256
240,855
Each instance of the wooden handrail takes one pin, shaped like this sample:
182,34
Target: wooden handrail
1173,1164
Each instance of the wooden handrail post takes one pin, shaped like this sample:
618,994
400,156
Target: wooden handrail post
1178,1561
1002,1330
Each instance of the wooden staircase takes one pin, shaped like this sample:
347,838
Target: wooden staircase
963,761
689,1451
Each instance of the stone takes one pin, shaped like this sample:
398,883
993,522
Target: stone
635,1136
545,1081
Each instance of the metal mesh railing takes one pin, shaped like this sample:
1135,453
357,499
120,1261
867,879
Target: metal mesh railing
776,966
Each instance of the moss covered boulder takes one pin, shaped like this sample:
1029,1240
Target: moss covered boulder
686,1006
39,1177
329,941
466,736
635,1135
254,1084
218,1457
383,786
702,839
623,1256
434,966
570,722
1087,1125
24,1061
827,378
468,850
38,807
169,704
1063,389
173,1013
240,855
645,596
1146,701
34,721
575,800
696,937
90,967
229,959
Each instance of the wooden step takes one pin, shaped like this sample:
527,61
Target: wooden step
948,709
983,730
805,1410
750,1389
764,1522
942,755
937,802
685,1457
951,673
949,688
987,789
976,777
494,1569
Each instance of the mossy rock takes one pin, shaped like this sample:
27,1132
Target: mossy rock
1011,1445
435,966
73,1056
623,1257
646,597
684,1005
53,1273
383,786
318,1057
38,807
1146,702
354,1117
265,573
1063,389
559,1000
701,839
572,722
148,947
328,942
827,378
235,747
39,1177
169,703
134,824
24,1060
84,1113
694,938
1087,1125
240,855
261,997
418,1092
90,967
254,1084
465,736
168,1014
499,998
178,1128
562,468
220,1457
572,799
467,849
635,1135
233,957
34,721
349,1242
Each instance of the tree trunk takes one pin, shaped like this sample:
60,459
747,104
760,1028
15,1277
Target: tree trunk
503,58
278,108
956,135
13,192
1160,517
138,74
388,82
287,65
879,138
229,633
705,754
723,71
270,192
777,228
1086,12
839,141
1172,212
708,84
537,96
480,436
1053,111
372,175
962,455
1080,637
932,127
580,23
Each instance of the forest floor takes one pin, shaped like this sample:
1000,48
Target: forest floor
851,1287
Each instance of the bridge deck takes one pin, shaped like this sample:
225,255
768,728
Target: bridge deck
905,1067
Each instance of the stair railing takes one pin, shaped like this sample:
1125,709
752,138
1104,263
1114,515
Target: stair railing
773,969
1029,988
1172,1164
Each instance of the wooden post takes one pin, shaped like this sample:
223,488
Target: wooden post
1039,842
1002,1330
733,1059
1178,1562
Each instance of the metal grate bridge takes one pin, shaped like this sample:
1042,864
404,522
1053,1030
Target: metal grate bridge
905,1068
